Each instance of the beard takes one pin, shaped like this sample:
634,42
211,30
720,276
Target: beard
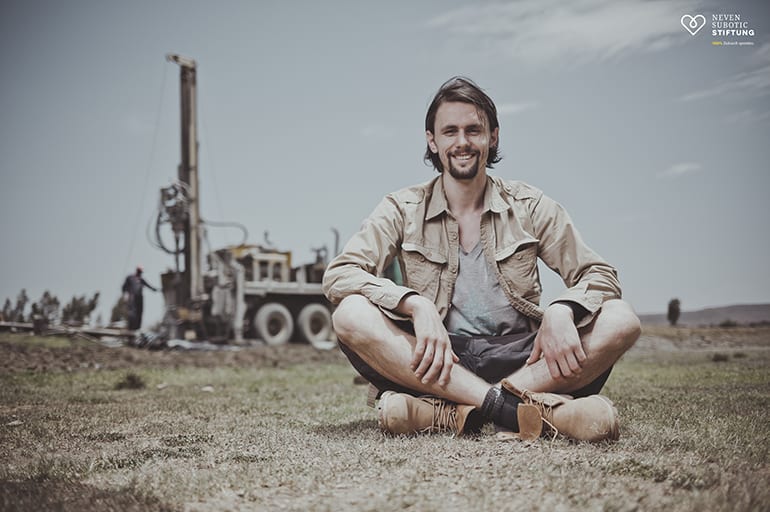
467,174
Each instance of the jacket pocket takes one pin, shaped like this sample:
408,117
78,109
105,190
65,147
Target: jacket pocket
422,268
518,266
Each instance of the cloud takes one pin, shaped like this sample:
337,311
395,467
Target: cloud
748,116
680,169
509,109
748,84
763,53
544,31
750,87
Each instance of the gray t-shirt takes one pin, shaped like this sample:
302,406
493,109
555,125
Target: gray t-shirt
479,305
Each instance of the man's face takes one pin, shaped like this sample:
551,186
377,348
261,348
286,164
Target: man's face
461,139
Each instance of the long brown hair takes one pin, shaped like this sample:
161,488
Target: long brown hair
460,88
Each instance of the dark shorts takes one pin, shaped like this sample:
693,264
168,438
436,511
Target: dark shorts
490,357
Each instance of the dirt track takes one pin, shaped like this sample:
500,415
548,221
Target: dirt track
83,355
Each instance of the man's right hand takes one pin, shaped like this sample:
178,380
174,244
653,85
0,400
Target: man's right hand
432,356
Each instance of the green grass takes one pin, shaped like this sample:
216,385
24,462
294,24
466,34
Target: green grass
695,436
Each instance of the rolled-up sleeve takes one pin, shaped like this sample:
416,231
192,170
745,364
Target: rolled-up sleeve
356,269
590,280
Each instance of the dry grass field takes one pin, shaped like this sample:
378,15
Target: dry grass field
85,427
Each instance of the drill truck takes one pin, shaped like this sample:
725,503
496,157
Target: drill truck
246,291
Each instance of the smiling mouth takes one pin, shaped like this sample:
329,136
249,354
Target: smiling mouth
464,157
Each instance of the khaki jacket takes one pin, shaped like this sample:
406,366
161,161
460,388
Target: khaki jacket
519,225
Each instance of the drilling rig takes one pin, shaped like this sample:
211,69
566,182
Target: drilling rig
246,291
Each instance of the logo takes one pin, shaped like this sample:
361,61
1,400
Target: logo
693,23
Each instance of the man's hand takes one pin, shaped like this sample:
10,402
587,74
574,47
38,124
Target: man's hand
559,343
432,357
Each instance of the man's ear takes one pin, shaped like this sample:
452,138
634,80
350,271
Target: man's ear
431,141
493,139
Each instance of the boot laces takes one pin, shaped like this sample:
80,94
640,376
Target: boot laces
444,416
546,412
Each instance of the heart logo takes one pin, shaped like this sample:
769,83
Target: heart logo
693,23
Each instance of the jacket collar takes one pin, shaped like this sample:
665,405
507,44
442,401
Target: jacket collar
437,204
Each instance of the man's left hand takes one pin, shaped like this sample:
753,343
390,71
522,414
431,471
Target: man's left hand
558,343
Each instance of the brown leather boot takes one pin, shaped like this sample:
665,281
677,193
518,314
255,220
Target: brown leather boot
592,418
400,413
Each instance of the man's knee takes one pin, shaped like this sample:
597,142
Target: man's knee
350,317
623,323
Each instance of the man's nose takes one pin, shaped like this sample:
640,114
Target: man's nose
462,140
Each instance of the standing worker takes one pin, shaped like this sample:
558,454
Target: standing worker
132,294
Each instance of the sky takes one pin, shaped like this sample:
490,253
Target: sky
654,139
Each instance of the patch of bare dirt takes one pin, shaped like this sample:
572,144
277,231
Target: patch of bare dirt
18,356
672,339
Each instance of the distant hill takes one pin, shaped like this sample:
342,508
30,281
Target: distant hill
742,314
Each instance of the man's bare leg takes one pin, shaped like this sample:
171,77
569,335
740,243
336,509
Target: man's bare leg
388,349
364,329
615,329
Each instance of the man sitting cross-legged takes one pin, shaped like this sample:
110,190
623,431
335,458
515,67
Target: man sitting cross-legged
465,341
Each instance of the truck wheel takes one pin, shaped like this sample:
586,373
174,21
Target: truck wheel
315,325
274,324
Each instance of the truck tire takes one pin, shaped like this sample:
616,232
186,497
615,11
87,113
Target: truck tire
315,326
274,324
